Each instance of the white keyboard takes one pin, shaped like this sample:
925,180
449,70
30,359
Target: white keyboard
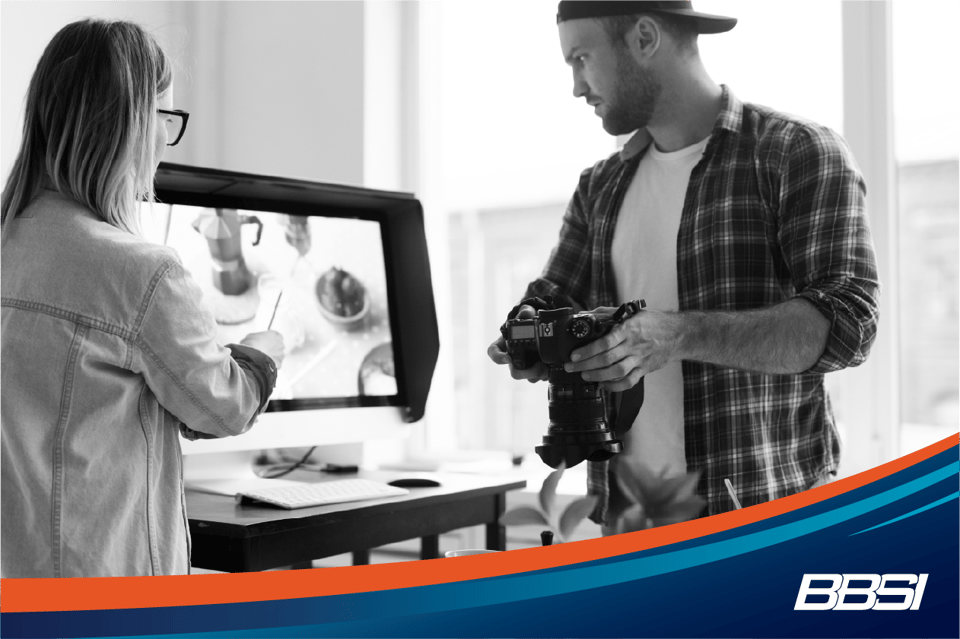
302,495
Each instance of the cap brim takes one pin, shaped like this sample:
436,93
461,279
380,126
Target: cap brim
706,22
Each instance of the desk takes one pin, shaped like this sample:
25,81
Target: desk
231,537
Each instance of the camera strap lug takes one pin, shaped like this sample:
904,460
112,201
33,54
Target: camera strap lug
628,309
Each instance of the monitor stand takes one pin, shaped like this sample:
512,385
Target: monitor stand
213,466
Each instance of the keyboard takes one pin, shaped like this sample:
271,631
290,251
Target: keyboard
301,495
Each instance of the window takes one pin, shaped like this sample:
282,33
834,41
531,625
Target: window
797,69
926,65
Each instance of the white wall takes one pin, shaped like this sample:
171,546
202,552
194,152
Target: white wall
272,87
25,29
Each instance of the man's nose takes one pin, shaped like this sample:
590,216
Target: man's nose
580,87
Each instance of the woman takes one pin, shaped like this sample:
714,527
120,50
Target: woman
108,352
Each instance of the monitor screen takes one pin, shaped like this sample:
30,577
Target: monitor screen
319,281
341,272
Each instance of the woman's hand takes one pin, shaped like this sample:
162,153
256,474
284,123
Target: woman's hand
267,342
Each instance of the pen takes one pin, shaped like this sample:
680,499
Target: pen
733,495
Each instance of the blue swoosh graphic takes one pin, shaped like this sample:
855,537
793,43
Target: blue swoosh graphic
911,513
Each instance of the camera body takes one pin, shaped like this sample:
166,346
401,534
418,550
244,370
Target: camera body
551,335
577,428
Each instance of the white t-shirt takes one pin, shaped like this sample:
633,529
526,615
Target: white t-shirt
645,265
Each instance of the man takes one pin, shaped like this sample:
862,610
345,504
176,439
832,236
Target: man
743,229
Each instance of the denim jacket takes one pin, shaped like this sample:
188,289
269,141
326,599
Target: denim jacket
107,352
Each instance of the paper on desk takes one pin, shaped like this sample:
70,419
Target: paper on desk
231,487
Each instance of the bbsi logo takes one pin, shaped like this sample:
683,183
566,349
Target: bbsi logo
840,589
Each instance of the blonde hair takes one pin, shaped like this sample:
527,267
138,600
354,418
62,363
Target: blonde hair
90,121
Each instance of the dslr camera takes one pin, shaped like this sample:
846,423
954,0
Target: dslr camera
539,332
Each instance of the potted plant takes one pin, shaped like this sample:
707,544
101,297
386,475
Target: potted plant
655,500
561,524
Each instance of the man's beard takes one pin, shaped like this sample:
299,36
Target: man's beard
635,98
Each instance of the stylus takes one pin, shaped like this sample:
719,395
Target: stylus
275,307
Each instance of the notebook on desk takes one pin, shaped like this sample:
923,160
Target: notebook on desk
295,494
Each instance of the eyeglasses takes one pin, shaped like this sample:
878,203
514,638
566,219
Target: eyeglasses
176,124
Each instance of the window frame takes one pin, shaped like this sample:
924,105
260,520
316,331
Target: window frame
872,391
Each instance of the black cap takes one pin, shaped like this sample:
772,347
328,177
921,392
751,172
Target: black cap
705,22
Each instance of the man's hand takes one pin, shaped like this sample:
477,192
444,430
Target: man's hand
267,342
643,343
783,339
498,353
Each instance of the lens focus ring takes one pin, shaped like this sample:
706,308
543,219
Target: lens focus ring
574,414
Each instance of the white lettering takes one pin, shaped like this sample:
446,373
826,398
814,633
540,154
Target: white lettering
840,590
870,592
906,593
920,588
806,589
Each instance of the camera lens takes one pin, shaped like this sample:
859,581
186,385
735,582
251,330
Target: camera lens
578,428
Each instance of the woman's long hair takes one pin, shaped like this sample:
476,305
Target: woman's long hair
90,122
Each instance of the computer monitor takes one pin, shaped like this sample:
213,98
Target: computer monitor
342,272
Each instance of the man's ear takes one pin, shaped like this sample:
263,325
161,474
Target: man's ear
644,38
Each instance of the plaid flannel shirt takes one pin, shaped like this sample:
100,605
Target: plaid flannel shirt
774,210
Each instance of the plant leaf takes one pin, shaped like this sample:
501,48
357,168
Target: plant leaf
689,485
632,490
631,520
681,503
548,491
575,513
679,511
522,515
664,500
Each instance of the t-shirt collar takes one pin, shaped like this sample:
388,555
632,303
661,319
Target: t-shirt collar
729,119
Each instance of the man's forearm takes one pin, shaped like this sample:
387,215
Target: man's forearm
786,338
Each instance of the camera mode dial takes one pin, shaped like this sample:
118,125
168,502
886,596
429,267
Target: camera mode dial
580,328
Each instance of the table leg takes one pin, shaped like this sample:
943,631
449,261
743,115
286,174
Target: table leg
496,536
429,546
361,557
496,533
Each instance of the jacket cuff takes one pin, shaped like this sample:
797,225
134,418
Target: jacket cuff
258,364
193,435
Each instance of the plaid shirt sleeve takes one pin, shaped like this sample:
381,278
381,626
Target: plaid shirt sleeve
826,242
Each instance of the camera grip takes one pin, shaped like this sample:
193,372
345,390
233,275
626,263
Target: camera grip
523,359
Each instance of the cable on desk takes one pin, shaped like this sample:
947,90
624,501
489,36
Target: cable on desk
279,470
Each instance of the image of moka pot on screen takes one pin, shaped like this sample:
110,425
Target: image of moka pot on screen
235,297
538,331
